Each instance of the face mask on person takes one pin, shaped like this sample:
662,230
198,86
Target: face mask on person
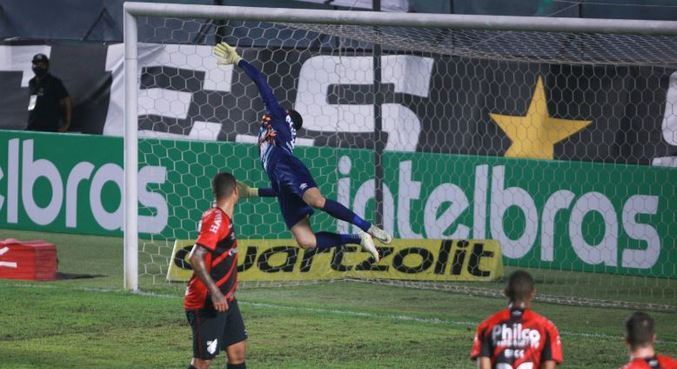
39,71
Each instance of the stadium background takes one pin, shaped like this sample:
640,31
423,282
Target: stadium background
82,53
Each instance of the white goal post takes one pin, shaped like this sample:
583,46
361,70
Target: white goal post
134,10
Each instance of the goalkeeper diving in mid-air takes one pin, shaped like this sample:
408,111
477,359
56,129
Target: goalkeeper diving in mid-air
290,180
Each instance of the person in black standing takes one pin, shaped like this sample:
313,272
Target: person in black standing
50,107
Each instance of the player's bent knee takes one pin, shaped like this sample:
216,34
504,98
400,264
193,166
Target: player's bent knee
317,202
303,234
314,198
237,358
236,353
305,243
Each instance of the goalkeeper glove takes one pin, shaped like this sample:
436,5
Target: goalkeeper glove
226,54
246,191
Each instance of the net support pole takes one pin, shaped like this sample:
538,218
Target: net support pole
130,191
378,128
326,17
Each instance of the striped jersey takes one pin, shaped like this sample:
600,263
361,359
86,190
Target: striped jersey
218,237
517,338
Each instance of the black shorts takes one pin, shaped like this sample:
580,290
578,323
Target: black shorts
290,179
213,331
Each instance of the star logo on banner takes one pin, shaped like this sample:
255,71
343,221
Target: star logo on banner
535,134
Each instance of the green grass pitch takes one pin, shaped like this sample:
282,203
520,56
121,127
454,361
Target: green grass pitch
91,323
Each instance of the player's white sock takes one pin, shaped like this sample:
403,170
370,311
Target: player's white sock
368,245
380,234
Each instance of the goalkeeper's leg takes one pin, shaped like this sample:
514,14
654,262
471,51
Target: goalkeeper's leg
314,198
307,239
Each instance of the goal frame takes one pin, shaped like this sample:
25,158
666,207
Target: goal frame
132,10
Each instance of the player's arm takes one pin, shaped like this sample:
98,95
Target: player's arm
246,191
551,355
549,364
67,107
481,348
226,54
483,363
66,103
197,262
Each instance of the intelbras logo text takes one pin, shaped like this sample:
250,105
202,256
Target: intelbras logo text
66,192
597,224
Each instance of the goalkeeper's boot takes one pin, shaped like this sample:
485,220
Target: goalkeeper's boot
380,234
368,245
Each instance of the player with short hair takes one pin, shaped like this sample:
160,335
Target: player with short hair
517,337
640,336
290,179
210,304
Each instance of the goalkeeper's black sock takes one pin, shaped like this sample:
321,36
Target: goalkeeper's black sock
325,240
241,365
341,212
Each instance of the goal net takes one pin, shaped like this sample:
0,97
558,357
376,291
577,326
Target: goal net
559,144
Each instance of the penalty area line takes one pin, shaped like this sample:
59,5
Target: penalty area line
337,312
401,317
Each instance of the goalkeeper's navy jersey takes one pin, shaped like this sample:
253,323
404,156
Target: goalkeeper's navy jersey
517,338
656,362
276,136
218,236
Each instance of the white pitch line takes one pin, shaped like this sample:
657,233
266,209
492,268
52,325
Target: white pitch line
419,319
363,314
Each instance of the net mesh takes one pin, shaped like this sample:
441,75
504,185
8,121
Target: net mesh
576,203
526,46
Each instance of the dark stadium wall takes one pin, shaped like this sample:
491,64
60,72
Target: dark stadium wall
102,20
626,106
81,66
91,20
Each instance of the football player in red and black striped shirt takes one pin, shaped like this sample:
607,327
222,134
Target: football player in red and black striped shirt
210,304
640,337
517,337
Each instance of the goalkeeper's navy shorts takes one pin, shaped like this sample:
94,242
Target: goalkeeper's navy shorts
290,179
213,331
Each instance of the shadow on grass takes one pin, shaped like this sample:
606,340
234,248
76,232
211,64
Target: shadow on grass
68,276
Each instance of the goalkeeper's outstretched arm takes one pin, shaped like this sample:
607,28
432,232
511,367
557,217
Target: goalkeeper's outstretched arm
227,54
266,92
246,191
